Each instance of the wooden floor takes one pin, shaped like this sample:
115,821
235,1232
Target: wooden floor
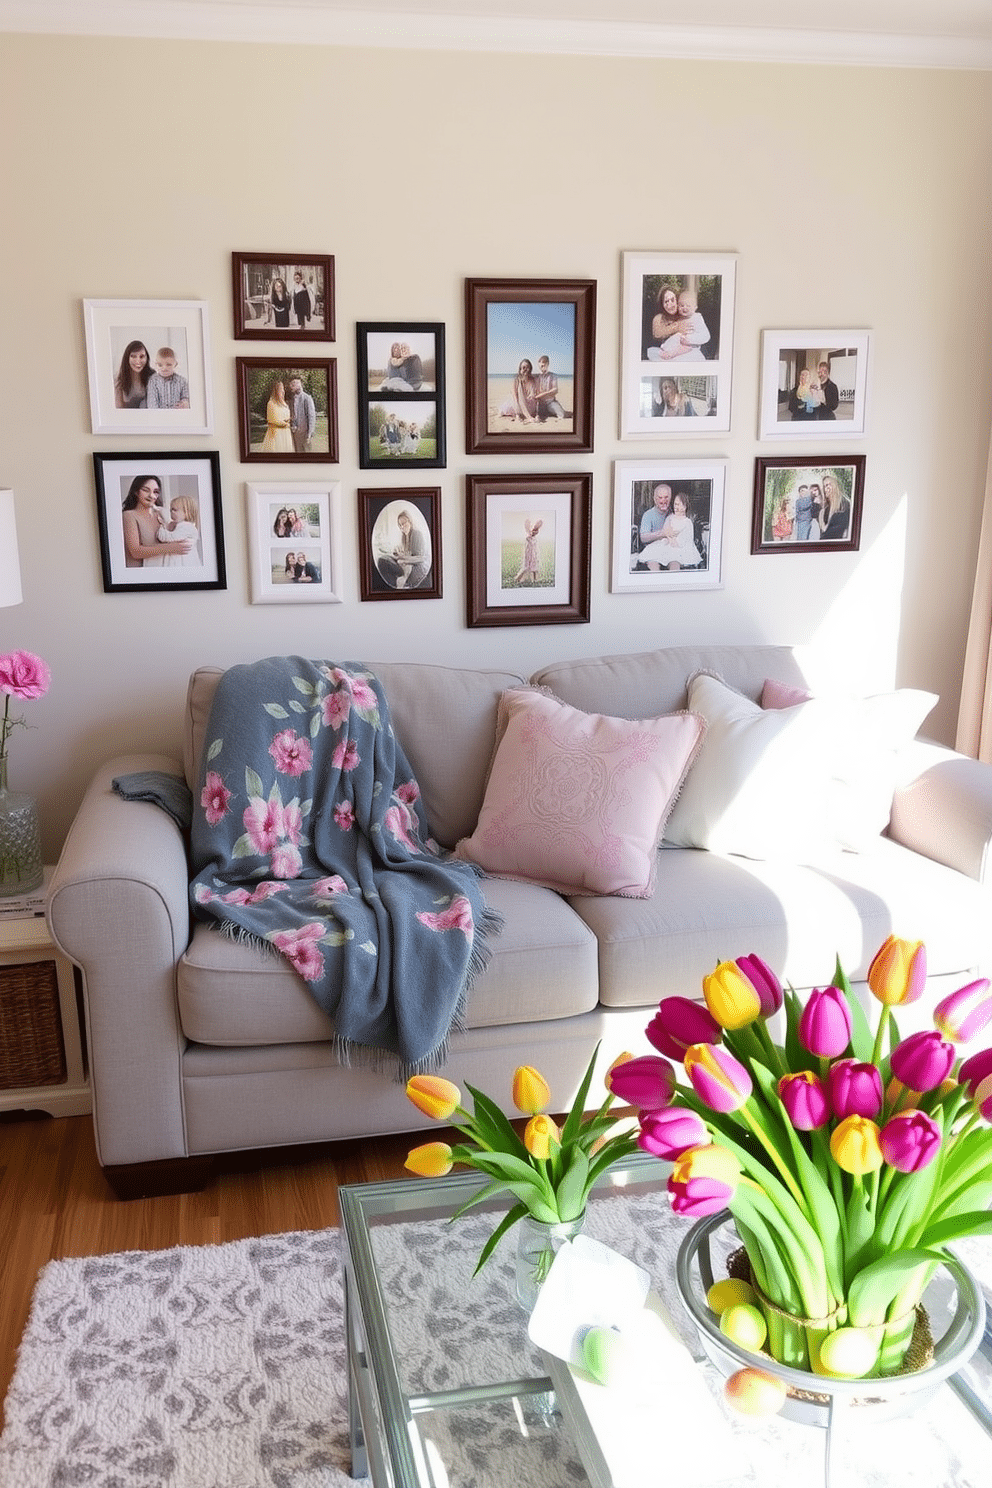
54,1202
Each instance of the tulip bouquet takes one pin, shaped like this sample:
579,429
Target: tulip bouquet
549,1171
847,1161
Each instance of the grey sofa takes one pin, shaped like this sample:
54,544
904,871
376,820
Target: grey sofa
200,1046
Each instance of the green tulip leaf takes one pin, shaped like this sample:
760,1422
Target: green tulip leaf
958,1227
506,1223
490,1190
574,1119
572,1189
875,1287
494,1126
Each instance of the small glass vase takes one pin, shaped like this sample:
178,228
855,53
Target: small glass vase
21,868
537,1246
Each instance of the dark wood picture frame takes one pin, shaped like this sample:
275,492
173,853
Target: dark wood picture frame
252,279
542,317
256,375
399,408
384,570
777,500
182,475
501,511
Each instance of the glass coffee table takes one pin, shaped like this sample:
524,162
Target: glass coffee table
447,1390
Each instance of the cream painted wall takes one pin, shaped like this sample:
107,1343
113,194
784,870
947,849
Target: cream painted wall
854,197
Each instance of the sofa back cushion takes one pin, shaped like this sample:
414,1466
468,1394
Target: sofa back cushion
444,717
655,682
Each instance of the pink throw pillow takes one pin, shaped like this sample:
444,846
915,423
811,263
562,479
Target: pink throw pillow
781,695
576,801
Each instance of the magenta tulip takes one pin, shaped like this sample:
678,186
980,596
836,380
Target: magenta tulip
764,982
805,1100
909,1141
983,1097
647,1082
855,1089
699,1197
680,1022
717,1077
975,1070
703,1181
965,1012
825,1024
922,1061
671,1132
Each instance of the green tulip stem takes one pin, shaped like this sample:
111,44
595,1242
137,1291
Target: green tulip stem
883,1023
776,1058
787,1177
470,1129
975,1119
873,1192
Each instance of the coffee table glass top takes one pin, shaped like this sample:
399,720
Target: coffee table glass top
448,1390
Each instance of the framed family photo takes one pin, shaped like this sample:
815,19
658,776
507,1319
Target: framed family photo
148,366
809,504
399,543
401,421
283,296
160,521
677,343
287,411
530,356
294,542
528,548
813,384
667,525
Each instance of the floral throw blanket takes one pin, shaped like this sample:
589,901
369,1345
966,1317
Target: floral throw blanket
309,838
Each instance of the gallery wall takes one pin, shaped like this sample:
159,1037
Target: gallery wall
852,197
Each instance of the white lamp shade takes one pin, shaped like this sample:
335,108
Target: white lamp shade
10,568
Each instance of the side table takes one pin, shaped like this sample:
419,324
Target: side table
42,1064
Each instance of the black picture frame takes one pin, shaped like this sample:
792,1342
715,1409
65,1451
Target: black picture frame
501,511
252,279
509,321
411,403
257,377
383,572
778,483
190,479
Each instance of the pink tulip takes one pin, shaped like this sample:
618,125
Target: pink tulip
805,1100
909,1141
647,1082
699,1197
855,1089
717,1077
983,1098
965,1012
680,1022
671,1132
825,1024
764,982
975,1070
703,1181
922,1061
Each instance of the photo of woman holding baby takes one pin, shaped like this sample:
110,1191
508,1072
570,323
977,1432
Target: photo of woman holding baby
160,521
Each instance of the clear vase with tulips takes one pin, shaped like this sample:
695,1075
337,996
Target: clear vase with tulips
849,1161
548,1170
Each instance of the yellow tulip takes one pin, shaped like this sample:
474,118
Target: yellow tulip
712,1161
898,974
539,1133
530,1090
433,1096
730,997
855,1147
432,1160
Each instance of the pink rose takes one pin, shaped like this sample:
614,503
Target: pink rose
335,709
345,757
214,798
300,949
24,675
292,754
344,815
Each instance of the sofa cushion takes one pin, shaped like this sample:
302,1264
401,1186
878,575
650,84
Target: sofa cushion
444,717
543,966
710,907
785,782
577,801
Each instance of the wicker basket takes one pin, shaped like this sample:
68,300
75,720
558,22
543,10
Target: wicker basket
32,1051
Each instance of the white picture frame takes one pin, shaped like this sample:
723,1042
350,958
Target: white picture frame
783,356
182,326
702,484
317,506
697,354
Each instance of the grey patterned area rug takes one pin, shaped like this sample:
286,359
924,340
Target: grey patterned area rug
224,1367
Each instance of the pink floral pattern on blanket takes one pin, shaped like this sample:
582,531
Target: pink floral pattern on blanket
310,836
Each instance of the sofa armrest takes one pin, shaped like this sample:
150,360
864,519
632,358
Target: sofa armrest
119,909
942,808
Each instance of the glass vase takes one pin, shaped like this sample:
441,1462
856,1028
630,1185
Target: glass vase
537,1246
21,868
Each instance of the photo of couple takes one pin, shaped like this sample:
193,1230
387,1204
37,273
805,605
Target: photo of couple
530,367
283,298
816,386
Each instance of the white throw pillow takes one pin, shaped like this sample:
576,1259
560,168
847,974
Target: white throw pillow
792,782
